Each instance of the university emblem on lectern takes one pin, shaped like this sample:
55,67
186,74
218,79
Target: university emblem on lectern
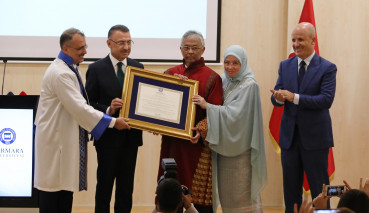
7,136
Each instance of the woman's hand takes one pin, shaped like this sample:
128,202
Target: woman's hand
198,100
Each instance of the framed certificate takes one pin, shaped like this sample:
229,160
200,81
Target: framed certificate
158,102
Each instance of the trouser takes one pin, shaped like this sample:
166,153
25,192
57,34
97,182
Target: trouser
295,161
115,165
55,202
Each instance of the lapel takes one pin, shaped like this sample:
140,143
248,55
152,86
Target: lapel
311,71
293,75
128,62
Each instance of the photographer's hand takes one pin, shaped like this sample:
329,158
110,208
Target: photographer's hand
348,187
304,208
364,187
320,202
187,199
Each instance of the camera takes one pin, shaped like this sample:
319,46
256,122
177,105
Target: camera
169,166
335,190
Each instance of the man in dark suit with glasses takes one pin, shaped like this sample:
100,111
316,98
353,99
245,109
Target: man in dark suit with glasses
116,150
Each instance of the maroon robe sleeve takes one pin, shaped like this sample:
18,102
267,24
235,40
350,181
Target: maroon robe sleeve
216,91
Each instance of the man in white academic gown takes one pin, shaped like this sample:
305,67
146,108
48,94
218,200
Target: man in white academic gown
62,121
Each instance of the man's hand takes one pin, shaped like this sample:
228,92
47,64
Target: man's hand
287,95
283,95
182,77
122,123
154,133
196,138
116,104
278,95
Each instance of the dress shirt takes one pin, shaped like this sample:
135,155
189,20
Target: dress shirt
115,62
307,60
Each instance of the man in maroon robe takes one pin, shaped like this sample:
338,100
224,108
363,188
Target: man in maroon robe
194,160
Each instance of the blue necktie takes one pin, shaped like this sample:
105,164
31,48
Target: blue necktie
83,139
301,73
120,74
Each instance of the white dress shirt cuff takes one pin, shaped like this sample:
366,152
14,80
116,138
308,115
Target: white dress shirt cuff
296,99
280,102
112,122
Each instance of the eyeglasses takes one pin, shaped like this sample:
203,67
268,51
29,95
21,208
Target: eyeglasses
79,48
194,48
123,43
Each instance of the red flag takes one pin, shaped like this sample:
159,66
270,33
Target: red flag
307,15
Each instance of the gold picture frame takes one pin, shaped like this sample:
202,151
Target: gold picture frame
159,102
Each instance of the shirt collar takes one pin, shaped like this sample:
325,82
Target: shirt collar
115,61
307,60
198,63
66,58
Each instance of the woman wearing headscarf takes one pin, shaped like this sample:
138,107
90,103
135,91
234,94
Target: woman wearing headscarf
235,135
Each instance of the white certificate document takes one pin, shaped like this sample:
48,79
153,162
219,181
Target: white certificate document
159,103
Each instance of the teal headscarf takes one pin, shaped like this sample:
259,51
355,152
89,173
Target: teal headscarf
245,71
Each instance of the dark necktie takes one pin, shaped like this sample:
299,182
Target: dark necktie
120,74
83,139
301,72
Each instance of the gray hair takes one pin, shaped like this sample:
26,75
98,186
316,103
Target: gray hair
118,27
68,35
193,33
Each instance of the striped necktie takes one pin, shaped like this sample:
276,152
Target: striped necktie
83,139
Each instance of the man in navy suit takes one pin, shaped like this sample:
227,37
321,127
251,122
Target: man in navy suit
306,87
116,150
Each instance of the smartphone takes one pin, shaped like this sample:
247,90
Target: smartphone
326,210
335,190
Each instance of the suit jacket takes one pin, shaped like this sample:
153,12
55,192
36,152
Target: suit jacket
102,87
311,115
